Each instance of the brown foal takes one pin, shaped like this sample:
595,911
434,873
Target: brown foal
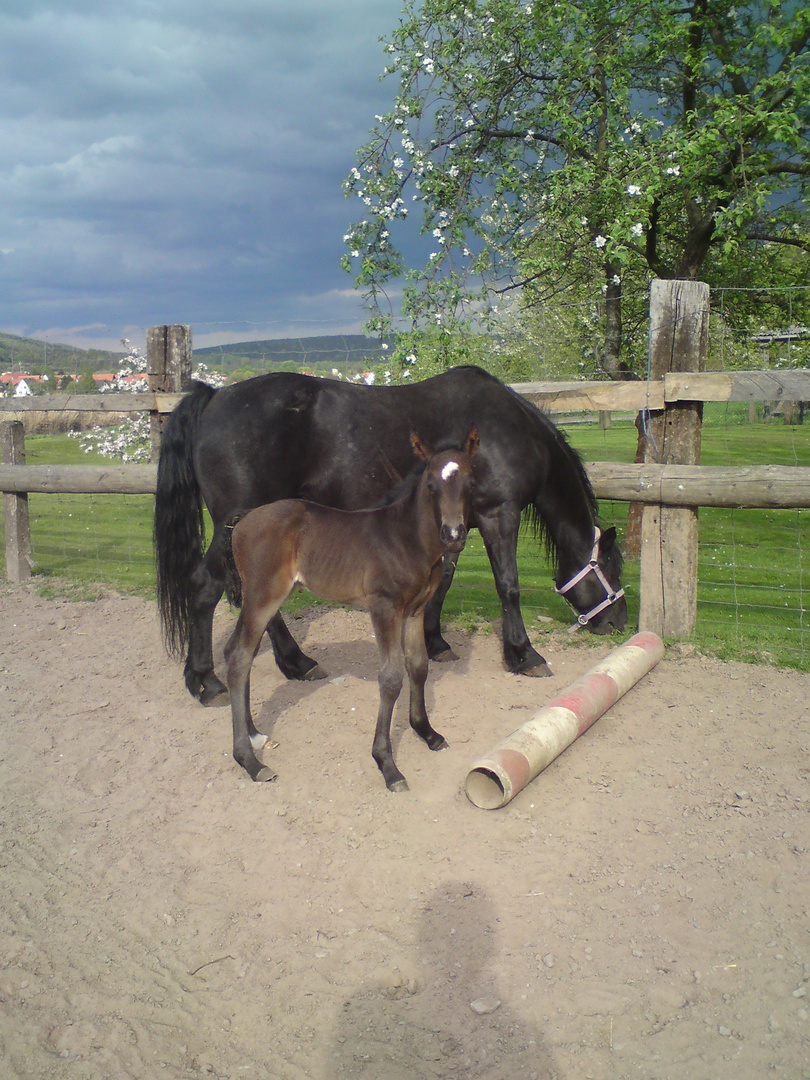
387,560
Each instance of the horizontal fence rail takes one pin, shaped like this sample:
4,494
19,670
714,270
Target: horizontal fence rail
634,395
753,487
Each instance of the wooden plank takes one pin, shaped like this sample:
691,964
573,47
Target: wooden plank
93,403
15,506
755,486
737,386
593,396
80,479
100,403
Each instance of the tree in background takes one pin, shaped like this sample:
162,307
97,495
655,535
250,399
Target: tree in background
85,384
565,154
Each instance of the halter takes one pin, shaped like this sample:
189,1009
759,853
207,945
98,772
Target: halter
592,566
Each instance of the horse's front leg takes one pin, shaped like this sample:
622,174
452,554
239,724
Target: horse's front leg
416,663
292,662
240,651
499,531
388,632
437,647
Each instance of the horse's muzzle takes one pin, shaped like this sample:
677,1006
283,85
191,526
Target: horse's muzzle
453,538
613,618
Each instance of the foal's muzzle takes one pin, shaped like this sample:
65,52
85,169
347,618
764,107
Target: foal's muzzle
453,537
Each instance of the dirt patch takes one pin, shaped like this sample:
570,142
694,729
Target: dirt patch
640,910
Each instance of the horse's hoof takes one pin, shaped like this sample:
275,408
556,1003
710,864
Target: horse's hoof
265,775
446,656
441,744
398,785
539,671
315,673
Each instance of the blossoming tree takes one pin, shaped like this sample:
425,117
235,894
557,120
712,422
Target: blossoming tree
131,439
559,149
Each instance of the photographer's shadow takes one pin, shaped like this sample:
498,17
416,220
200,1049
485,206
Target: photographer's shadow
447,1016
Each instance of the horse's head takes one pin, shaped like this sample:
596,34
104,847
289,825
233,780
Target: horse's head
595,591
448,480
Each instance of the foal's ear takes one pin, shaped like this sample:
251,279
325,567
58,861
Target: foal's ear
422,449
473,439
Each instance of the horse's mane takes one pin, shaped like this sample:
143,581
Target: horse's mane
403,487
566,473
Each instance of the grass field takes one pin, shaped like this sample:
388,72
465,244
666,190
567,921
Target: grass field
751,565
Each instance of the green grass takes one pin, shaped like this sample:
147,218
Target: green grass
752,567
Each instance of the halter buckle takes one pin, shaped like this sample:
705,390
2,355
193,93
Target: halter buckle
592,566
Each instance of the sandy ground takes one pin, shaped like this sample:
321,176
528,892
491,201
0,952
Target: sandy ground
641,910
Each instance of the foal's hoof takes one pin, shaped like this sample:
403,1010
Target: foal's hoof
399,785
265,775
314,674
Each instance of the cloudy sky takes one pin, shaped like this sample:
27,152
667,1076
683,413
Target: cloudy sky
181,161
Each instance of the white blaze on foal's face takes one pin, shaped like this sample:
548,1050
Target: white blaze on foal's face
450,468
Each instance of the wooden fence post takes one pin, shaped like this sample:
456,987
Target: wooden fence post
679,333
168,365
15,505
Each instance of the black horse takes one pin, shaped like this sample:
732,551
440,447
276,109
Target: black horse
345,445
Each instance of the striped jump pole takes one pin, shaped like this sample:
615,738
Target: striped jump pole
495,779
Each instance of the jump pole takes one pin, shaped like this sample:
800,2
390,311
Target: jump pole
495,778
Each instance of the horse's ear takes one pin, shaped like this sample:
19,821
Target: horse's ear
607,539
422,450
473,439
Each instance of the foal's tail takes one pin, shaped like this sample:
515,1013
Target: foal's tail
233,583
179,529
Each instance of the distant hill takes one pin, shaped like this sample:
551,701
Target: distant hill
342,351
346,352
33,356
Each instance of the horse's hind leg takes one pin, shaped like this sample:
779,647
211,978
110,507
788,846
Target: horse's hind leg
208,583
388,632
292,662
437,647
416,662
240,651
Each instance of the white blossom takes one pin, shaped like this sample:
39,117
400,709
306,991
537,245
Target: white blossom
600,241
633,189
637,229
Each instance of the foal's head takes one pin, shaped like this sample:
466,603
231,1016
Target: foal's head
448,477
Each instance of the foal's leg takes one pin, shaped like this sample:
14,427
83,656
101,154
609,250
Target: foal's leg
437,647
416,662
499,531
388,632
240,652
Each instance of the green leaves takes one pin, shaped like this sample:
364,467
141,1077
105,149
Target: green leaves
545,147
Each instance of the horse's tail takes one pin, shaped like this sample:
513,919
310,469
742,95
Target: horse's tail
179,528
233,582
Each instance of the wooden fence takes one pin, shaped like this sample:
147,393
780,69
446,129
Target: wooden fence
671,488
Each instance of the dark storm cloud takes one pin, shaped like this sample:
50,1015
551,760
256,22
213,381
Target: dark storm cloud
182,162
